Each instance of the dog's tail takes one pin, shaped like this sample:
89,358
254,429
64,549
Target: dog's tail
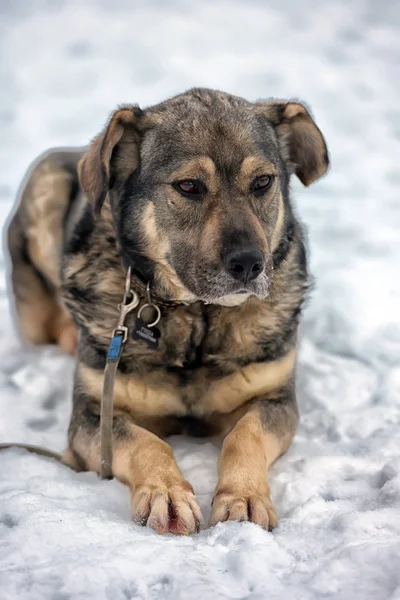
35,236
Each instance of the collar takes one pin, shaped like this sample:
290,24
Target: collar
144,289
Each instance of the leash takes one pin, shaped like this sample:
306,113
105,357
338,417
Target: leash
34,450
120,335
142,330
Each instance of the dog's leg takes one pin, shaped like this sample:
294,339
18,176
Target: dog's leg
161,497
41,316
257,440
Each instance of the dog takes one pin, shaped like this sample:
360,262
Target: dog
192,196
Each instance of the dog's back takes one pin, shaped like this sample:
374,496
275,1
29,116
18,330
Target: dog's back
48,204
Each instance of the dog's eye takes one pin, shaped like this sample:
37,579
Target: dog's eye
190,187
261,184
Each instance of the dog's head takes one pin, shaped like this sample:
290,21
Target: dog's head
199,188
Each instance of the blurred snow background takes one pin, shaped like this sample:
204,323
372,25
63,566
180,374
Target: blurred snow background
64,65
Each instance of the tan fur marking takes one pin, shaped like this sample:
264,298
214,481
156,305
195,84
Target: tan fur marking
34,316
156,459
157,250
147,465
46,212
146,399
242,492
251,167
201,167
293,109
64,331
157,247
210,238
257,379
276,236
45,320
133,394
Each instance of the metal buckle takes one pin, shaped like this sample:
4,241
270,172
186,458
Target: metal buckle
126,307
150,304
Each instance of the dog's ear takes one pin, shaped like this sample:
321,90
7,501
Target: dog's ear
112,156
302,144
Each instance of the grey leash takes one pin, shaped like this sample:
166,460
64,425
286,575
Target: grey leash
120,335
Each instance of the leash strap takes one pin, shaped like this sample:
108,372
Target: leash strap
119,337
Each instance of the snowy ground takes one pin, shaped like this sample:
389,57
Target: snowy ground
63,66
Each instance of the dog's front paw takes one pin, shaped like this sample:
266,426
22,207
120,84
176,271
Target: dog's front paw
167,509
231,506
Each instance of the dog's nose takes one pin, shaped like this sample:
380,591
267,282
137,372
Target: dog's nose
244,265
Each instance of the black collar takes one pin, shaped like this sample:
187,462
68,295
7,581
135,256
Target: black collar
142,284
144,289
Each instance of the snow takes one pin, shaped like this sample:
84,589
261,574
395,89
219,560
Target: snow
63,67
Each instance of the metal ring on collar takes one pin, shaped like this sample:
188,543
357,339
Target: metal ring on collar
157,309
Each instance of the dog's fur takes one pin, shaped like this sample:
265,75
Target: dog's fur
225,364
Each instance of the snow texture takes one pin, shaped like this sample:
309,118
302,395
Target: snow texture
63,66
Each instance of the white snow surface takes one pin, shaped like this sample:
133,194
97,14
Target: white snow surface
64,65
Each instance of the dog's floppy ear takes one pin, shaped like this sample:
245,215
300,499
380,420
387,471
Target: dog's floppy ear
112,156
302,143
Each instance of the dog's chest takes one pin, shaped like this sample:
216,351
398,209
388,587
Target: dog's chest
194,340
198,351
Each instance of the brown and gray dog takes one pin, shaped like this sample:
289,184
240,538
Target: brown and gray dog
193,195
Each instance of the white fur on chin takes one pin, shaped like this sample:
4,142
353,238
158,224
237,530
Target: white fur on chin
232,299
